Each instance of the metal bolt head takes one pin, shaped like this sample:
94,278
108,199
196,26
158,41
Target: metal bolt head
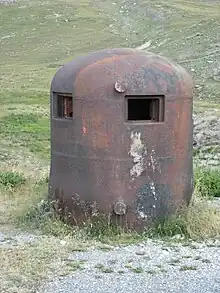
120,87
120,208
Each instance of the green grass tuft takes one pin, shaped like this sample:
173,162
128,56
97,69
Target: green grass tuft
107,270
169,227
27,130
188,268
100,228
137,270
207,182
12,179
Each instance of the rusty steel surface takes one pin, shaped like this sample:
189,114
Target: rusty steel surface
101,163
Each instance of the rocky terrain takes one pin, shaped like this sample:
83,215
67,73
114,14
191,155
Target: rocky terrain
207,138
7,2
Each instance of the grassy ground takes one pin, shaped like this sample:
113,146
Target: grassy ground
36,37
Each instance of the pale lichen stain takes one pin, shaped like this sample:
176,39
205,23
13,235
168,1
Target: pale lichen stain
142,215
138,151
153,189
153,162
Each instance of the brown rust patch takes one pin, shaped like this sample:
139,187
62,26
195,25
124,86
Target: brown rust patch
99,136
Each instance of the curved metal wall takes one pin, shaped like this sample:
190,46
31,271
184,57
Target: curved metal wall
134,171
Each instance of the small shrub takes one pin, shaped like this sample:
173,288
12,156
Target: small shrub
151,272
107,270
101,228
175,225
75,265
174,262
206,261
199,221
137,270
35,214
34,211
203,220
12,179
43,216
207,182
99,266
104,269
188,268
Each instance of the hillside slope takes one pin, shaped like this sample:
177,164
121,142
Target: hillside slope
186,31
37,36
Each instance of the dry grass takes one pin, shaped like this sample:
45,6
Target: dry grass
23,267
14,202
201,220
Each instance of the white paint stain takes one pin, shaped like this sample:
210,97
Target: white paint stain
153,160
94,207
153,189
138,151
142,215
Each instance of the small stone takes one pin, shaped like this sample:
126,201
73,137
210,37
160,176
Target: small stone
7,2
216,77
140,252
214,162
177,237
2,237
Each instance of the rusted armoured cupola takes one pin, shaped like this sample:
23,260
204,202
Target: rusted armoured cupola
121,136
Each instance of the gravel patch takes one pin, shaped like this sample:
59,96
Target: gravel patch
12,239
215,203
7,2
150,267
